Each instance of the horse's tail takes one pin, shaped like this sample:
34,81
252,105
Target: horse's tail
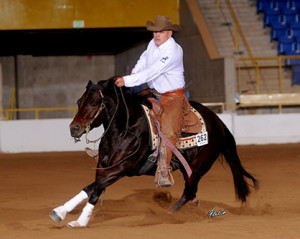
239,173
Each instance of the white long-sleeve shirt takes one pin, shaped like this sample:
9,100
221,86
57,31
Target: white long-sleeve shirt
160,67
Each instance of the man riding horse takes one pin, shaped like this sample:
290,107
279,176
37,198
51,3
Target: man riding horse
161,67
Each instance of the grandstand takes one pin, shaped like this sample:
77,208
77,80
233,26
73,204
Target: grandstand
262,65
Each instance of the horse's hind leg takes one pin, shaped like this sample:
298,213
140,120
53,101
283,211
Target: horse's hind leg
59,213
204,160
190,191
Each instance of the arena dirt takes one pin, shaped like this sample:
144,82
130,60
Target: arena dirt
32,184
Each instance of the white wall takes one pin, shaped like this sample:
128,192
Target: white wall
267,129
41,135
53,135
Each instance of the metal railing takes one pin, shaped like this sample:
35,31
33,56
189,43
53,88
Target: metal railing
8,113
257,63
280,65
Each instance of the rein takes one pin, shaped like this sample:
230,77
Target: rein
109,125
99,111
89,126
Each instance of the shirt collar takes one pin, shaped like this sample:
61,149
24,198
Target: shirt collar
165,44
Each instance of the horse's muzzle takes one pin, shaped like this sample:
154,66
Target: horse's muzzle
76,130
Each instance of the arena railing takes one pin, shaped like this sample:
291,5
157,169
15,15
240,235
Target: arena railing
256,98
276,95
7,114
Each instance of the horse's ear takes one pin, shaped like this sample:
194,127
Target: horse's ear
89,84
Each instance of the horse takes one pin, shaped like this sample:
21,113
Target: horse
124,147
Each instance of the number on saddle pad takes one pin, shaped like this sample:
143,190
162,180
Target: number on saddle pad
202,139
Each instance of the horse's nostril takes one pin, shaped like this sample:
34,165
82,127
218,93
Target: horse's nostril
77,127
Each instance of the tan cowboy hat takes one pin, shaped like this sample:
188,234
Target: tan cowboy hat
162,23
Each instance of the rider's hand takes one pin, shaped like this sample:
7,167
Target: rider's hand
119,81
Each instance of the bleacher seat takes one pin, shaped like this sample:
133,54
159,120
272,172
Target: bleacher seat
290,62
262,5
271,15
295,4
278,29
295,74
281,4
290,15
286,45
297,43
295,29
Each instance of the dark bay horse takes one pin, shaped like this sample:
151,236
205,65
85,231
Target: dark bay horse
124,147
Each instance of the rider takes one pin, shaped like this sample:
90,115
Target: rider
161,67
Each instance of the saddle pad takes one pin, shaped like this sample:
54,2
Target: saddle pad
194,140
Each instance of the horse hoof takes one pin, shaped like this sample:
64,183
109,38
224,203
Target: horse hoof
73,224
53,215
58,214
195,202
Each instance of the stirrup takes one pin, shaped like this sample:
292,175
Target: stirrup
162,181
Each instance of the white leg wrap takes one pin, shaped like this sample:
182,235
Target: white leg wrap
71,204
58,214
84,218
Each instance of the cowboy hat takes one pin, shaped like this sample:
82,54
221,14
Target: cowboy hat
162,23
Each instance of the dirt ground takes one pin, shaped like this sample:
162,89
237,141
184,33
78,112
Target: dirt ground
33,184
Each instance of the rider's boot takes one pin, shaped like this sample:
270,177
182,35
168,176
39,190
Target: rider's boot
163,176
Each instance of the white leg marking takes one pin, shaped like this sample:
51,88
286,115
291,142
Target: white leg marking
84,218
59,213
71,204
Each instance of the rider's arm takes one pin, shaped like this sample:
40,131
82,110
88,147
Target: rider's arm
166,60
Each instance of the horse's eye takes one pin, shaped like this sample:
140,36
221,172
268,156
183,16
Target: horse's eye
96,103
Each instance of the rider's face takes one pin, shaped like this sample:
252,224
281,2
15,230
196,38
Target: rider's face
161,37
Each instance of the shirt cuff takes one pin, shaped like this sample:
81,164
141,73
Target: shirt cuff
128,81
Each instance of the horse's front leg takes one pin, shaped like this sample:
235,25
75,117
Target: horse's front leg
59,213
104,178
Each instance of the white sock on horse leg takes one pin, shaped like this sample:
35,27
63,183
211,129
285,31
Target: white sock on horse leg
86,214
71,204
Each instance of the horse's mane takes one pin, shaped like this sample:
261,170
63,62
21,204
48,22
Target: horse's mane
129,94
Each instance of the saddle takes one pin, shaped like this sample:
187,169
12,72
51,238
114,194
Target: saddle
193,126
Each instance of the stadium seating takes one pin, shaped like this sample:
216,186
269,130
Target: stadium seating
283,17
290,15
286,45
295,4
297,43
282,4
271,15
295,29
279,29
296,74
262,5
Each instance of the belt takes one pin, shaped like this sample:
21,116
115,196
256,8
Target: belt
169,93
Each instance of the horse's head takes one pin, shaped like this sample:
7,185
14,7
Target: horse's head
90,106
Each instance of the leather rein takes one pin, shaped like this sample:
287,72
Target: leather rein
109,125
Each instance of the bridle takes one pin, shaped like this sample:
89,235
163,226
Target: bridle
88,127
102,106
108,127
